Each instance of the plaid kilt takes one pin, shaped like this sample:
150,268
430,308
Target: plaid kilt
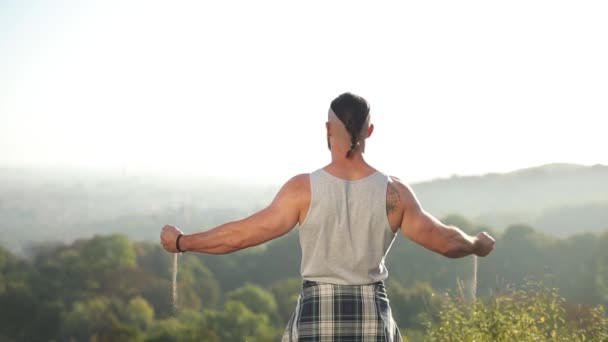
342,313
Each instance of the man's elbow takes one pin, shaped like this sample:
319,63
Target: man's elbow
243,241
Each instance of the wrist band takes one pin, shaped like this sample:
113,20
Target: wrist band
177,243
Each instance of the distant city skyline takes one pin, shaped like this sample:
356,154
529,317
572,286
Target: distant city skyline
241,90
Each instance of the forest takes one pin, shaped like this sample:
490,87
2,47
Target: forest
80,260
109,288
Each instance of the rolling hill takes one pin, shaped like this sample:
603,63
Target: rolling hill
37,206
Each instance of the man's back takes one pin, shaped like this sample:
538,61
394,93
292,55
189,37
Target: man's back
346,234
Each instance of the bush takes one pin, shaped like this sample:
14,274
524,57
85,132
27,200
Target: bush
533,313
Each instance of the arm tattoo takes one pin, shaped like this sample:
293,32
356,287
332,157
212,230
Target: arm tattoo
392,198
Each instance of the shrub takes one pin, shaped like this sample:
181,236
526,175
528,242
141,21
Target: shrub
533,313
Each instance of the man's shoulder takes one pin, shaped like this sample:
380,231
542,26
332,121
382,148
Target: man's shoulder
400,187
299,182
395,182
297,189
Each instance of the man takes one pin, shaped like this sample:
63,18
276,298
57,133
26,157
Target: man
348,215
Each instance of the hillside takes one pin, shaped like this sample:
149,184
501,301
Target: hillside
557,198
37,205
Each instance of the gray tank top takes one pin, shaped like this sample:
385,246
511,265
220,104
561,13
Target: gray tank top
346,235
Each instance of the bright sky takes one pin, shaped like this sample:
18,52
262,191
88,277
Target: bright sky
240,89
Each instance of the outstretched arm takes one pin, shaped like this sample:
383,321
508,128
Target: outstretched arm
269,223
424,229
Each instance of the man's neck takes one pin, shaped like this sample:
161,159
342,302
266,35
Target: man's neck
356,162
340,158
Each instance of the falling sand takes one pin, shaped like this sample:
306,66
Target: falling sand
175,256
468,289
474,280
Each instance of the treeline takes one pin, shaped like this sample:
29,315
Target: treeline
109,288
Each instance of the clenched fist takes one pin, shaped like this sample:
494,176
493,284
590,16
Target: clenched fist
168,236
484,244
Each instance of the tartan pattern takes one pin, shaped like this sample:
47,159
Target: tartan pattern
342,313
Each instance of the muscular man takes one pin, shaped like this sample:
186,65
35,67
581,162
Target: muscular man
348,215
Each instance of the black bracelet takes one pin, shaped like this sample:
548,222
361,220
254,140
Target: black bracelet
177,243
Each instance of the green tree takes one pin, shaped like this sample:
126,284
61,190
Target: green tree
574,265
5,258
237,323
98,318
103,253
601,274
286,293
255,299
197,283
411,305
166,330
75,271
184,327
139,313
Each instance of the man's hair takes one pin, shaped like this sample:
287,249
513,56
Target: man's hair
352,110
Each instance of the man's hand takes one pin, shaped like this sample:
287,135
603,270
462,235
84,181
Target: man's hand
168,235
484,244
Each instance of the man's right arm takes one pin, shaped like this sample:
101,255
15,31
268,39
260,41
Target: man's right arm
427,231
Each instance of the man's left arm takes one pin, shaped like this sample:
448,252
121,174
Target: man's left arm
269,223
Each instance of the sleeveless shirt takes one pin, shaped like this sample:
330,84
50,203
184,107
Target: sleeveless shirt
346,235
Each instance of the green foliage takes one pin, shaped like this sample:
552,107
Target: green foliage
102,253
139,313
6,258
236,322
262,265
576,266
23,318
100,319
534,313
184,327
255,299
410,304
286,292
198,285
601,261
108,288
166,330
569,219
412,335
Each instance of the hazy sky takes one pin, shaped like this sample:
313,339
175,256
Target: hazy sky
241,88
